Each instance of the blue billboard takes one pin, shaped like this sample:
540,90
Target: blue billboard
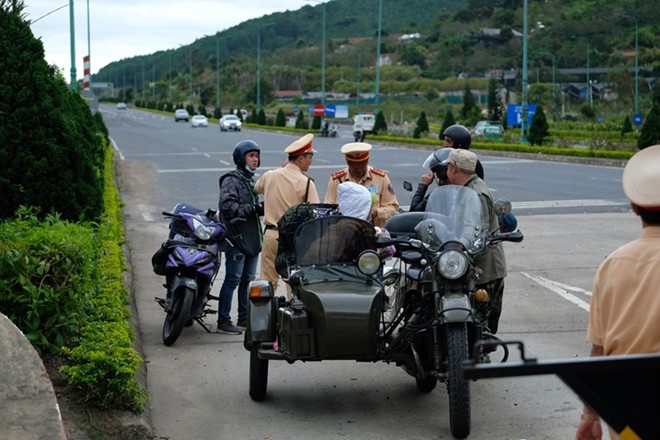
514,114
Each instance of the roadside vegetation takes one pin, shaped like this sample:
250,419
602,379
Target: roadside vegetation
61,233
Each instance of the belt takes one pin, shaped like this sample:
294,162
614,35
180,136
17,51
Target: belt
271,227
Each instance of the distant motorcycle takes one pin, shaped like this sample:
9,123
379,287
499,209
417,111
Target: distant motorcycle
189,260
345,305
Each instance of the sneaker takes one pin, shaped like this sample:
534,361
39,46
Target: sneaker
242,324
228,329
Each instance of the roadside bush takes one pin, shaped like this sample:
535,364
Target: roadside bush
280,119
47,277
50,148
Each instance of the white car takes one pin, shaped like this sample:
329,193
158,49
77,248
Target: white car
199,121
121,106
181,114
230,122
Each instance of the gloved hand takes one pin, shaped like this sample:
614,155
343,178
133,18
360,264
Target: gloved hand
259,208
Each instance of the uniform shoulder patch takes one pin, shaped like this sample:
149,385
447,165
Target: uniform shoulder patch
378,171
339,174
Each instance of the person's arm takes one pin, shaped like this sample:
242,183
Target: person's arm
388,205
418,202
590,427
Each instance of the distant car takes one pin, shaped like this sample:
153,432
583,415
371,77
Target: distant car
121,106
488,130
230,122
181,114
199,121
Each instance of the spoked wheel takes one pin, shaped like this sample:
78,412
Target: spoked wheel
177,316
458,388
258,375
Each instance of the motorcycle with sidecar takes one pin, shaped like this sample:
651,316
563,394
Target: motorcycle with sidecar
347,305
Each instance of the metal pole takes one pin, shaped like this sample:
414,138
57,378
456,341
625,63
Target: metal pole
190,72
89,48
380,21
258,68
588,81
217,73
72,33
523,110
323,61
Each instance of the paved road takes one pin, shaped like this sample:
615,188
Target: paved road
199,390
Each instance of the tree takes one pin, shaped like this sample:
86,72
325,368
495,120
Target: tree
217,113
422,123
300,120
316,122
51,146
495,107
261,117
468,102
280,119
449,121
380,123
201,110
627,126
538,130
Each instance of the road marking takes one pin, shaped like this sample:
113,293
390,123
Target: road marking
116,148
569,203
562,290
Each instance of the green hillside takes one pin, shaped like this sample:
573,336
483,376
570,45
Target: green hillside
469,37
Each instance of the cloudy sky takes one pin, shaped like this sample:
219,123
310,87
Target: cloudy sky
124,28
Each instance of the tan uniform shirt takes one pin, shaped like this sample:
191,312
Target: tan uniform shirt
377,182
282,188
624,316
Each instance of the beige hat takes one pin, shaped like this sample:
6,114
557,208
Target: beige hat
641,178
301,146
356,151
465,160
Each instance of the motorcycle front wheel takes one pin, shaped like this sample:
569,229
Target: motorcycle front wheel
177,316
458,388
258,375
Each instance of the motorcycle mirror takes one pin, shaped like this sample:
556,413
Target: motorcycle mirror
407,186
502,206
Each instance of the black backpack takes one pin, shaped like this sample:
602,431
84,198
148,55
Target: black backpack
287,225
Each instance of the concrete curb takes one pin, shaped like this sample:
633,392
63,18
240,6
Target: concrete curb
28,405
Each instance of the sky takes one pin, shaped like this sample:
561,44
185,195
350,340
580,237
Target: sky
121,29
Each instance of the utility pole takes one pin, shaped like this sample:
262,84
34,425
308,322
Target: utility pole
523,110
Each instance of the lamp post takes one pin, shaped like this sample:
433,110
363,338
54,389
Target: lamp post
72,34
258,70
523,109
322,53
588,82
217,74
89,48
380,23
190,73
636,59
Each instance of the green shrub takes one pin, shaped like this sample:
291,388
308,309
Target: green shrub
47,277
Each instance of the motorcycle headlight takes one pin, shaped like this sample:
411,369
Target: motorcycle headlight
452,264
202,231
369,263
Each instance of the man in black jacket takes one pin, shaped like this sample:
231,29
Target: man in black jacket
239,209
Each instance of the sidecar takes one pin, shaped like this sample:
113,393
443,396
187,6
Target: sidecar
336,305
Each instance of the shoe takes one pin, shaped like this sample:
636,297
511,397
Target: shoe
242,324
228,329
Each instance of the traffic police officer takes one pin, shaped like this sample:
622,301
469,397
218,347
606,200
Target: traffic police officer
375,180
282,188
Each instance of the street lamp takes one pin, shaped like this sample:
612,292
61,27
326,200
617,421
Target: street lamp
523,109
380,22
258,69
323,53
190,72
636,59
588,82
217,73
72,35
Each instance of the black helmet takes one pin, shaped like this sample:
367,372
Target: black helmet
460,135
241,149
435,163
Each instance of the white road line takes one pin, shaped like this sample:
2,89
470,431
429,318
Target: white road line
562,290
116,148
569,203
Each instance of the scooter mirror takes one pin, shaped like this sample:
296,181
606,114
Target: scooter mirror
407,186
